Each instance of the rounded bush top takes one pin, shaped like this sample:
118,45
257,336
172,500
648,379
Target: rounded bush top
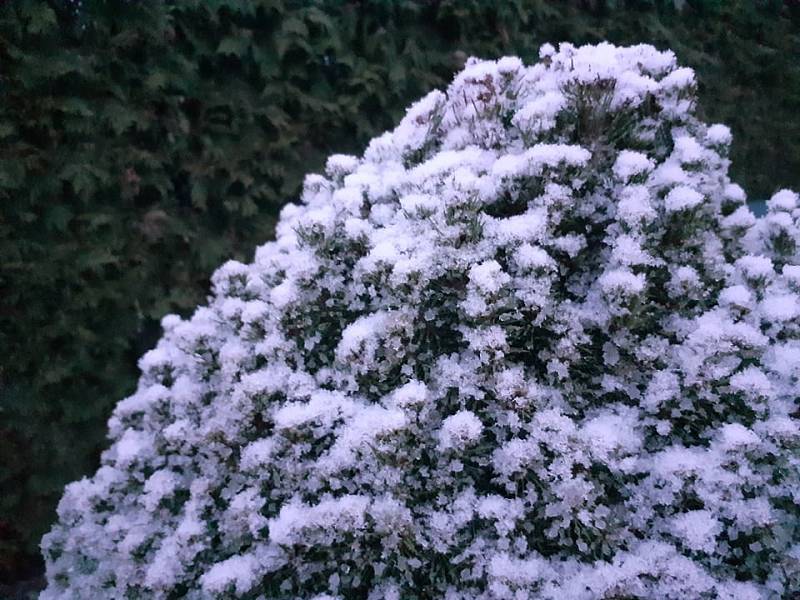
533,344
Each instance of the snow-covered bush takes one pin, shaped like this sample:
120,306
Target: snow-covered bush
532,344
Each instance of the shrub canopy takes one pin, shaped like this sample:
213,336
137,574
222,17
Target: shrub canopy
531,344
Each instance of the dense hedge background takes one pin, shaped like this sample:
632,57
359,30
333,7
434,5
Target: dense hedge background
142,143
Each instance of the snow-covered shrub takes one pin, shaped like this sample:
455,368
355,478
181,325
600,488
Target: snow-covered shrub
532,344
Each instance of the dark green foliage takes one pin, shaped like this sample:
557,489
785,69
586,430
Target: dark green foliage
143,143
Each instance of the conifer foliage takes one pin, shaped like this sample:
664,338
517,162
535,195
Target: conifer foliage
531,344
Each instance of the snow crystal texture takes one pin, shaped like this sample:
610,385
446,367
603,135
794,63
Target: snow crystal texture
531,345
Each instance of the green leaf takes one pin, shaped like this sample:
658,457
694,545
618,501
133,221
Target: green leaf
233,45
95,259
157,80
7,128
12,173
57,217
199,193
76,106
40,17
294,26
119,117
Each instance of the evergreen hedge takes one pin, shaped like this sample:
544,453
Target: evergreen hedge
142,143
